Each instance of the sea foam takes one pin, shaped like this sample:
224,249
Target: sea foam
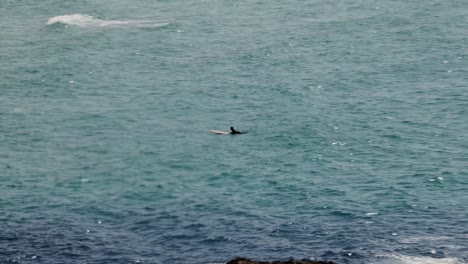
402,259
429,260
90,21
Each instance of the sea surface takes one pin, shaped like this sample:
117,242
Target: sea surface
356,148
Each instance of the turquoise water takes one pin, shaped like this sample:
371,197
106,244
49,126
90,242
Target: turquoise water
356,148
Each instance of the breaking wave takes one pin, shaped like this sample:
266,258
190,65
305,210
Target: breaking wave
90,21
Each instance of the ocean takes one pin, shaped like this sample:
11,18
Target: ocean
355,113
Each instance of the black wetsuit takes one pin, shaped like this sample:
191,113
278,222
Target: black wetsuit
233,131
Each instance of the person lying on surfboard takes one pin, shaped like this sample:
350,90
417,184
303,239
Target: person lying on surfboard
233,131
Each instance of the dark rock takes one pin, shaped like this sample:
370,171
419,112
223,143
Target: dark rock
248,261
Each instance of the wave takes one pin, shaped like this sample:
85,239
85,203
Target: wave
401,259
429,260
90,21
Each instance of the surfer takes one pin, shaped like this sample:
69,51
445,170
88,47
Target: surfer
233,131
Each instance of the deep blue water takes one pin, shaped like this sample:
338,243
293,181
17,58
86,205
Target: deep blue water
356,113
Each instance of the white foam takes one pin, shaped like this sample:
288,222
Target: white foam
90,21
428,260
401,259
372,213
421,239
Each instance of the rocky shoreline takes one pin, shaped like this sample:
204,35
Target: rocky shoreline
249,261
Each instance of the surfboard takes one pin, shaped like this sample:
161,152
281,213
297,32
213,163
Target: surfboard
219,132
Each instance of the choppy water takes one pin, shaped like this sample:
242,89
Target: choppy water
356,148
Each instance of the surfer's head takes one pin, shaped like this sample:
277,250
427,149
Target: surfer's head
233,131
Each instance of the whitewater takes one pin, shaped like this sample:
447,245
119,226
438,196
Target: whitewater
90,21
